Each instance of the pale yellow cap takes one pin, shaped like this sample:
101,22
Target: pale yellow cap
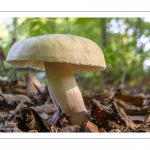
82,53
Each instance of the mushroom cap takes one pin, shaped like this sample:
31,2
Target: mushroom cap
82,53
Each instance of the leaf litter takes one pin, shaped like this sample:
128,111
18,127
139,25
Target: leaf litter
29,108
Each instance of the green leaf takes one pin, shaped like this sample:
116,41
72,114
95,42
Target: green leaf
139,50
83,20
131,43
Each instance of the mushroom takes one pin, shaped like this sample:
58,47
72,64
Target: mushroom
60,55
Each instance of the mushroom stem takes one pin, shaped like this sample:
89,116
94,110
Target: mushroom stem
65,93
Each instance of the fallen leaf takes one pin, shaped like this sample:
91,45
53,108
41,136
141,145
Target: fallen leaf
126,120
32,120
88,126
70,128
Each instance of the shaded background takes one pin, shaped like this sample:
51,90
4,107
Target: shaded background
125,43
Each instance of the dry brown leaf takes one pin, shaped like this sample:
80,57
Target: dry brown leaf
88,126
32,120
54,128
101,130
10,101
100,114
135,111
48,109
132,100
126,120
70,128
55,119
147,119
10,127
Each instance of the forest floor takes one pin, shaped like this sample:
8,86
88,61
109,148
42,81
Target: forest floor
27,107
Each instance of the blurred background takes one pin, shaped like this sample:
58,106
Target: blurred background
125,43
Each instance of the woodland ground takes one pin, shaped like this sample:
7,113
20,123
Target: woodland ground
27,107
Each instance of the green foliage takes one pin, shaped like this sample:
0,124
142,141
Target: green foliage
83,21
119,38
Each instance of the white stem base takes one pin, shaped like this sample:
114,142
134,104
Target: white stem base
65,93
